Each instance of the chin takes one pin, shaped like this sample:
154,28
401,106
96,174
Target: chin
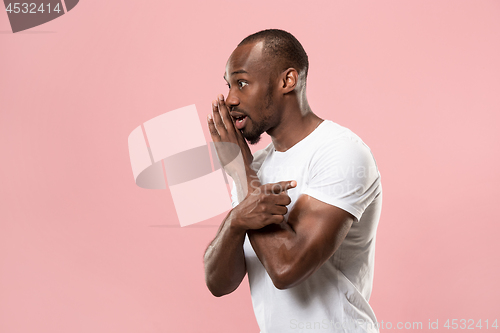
254,139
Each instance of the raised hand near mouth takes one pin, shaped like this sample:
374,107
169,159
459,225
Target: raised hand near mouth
229,141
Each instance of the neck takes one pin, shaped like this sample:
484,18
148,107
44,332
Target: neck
297,122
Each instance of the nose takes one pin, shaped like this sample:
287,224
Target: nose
231,99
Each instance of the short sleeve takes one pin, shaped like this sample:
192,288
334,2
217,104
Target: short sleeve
343,173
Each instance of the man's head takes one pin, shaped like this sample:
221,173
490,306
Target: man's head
281,49
262,70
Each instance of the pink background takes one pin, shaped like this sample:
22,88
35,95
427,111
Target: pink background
83,249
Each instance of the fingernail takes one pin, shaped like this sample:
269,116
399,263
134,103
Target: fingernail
293,183
221,98
209,116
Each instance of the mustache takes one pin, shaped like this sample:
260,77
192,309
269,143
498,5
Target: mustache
237,109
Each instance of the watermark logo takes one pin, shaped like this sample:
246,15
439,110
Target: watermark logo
170,150
32,13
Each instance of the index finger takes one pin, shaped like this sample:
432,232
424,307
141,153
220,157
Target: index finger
226,117
279,187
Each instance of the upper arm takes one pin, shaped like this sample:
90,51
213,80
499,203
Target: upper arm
343,180
319,229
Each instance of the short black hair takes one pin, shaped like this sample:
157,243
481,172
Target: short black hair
283,48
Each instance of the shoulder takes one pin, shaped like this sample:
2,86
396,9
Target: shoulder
338,141
341,156
343,171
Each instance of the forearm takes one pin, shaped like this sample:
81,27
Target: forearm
280,249
246,181
292,251
225,260
278,246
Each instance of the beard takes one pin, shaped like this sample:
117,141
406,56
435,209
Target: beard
253,137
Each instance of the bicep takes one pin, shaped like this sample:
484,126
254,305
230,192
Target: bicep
294,250
321,227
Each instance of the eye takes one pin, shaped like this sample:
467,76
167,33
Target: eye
242,84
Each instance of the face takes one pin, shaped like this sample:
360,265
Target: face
251,91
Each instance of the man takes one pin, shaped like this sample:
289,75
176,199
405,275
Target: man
305,208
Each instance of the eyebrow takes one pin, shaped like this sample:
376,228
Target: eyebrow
241,71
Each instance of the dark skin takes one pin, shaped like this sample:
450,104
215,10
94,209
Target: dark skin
291,250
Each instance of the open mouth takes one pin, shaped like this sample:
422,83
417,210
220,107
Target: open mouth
240,121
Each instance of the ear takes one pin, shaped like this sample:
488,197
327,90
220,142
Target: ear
289,80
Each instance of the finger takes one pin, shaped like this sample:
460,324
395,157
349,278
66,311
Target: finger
279,187
243,145
278,210
213,131
218,120
282,199
229,124
224,112
277,219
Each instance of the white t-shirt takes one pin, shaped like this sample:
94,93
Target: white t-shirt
333,165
